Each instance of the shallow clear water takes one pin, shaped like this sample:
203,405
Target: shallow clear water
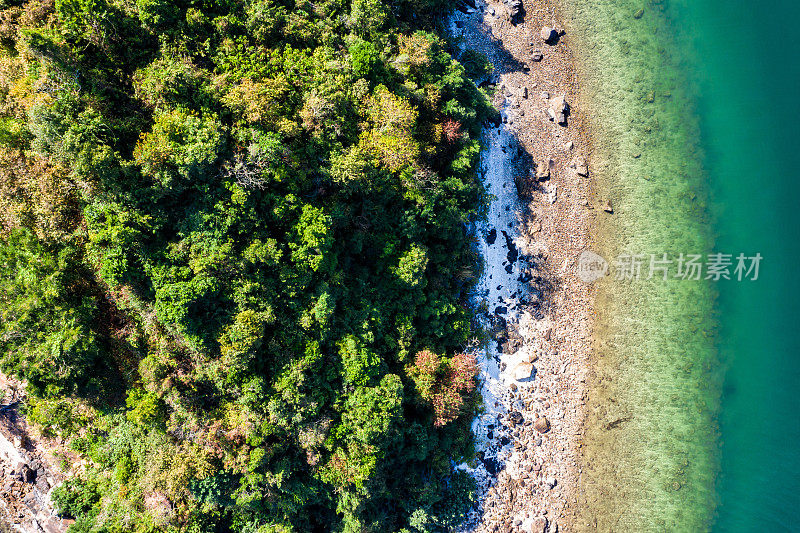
694,111
649,461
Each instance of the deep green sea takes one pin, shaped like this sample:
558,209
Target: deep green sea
693,419
745,59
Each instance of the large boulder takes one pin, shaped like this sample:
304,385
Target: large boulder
515,11
559,104
26,474
558,109
523,371
542,171
548,34
580,166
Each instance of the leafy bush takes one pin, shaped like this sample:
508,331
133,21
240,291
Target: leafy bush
476,65
445,383
75,497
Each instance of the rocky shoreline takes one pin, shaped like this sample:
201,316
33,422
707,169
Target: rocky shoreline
534,380
28,471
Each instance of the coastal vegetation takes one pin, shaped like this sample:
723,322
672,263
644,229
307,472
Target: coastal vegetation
234,259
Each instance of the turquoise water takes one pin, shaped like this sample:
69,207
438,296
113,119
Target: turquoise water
745,65
693,423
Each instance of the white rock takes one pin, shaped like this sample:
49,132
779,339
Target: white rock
559,104
523,371
547,33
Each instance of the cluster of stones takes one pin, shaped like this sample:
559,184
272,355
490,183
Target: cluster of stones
25,489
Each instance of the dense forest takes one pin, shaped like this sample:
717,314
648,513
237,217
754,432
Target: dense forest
235,265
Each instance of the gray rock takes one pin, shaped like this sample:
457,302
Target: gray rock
539,525
42,484
537,55
27,475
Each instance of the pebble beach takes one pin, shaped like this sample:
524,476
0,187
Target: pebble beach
533,370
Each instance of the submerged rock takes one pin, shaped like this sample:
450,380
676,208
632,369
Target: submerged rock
492,465
491,237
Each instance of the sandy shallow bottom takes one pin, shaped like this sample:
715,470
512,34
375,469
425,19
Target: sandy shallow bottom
649,461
